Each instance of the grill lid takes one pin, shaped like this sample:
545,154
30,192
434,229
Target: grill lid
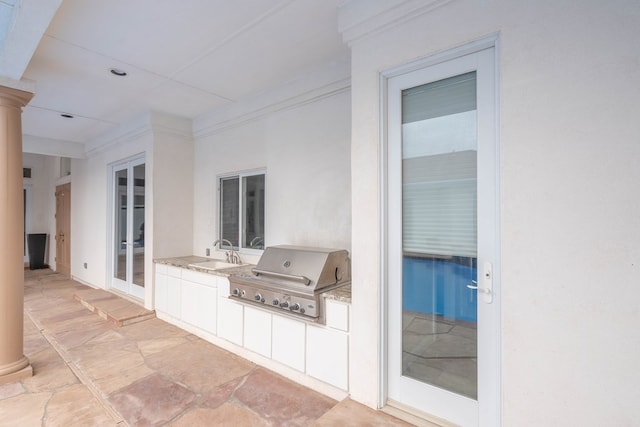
311,268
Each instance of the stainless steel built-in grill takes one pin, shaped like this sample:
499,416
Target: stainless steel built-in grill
291,279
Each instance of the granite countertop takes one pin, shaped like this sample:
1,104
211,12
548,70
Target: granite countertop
342,294
184,261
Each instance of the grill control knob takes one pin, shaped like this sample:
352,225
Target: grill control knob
295,306
302,310
258,297
284,304
275,301
236,292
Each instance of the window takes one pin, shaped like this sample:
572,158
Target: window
241,210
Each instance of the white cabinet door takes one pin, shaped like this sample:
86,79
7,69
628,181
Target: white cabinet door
161,292
173,296
287,344
257,331
337,315
327,356
199,305
230,320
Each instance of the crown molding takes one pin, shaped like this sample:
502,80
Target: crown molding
332,79
145,124
333,89
52,147
359,19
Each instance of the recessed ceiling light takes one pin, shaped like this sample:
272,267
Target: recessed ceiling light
66,116
118,72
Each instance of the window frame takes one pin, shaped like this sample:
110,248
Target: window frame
241,203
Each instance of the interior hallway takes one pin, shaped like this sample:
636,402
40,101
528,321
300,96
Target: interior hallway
88,371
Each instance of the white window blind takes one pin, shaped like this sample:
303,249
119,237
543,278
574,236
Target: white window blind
439,168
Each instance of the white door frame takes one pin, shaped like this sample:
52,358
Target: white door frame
112,282
489,370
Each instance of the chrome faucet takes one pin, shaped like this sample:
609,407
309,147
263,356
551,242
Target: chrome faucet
231,256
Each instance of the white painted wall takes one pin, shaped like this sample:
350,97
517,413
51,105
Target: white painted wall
570,96
305,149
172,195
43,203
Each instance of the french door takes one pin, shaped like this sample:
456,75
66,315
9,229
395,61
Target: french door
127,243
442,241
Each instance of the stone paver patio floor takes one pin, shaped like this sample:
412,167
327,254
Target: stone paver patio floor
88,371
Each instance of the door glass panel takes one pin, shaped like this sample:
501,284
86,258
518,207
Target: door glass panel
439,234
120,256
138,225
229,201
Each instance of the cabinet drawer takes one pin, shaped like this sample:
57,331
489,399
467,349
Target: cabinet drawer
199,277
337,315
174,271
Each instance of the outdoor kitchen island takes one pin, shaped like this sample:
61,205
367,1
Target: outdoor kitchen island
312,352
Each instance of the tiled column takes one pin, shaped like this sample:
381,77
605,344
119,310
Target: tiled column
13,364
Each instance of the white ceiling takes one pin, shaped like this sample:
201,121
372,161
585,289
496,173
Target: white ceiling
182,57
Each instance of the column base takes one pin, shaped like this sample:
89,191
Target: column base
18,375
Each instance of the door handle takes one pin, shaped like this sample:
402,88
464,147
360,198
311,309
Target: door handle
487,284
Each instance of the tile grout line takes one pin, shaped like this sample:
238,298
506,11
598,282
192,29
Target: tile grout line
78,373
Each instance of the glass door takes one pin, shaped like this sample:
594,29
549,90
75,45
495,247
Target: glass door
128,227
442,236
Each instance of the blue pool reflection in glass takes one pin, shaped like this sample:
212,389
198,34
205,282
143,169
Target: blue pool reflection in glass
439,287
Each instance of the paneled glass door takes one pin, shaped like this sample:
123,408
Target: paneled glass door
128,183
442,236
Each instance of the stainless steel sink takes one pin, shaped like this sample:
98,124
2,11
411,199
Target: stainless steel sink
214,265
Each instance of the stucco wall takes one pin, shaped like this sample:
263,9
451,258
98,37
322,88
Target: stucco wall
305,150
569,97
